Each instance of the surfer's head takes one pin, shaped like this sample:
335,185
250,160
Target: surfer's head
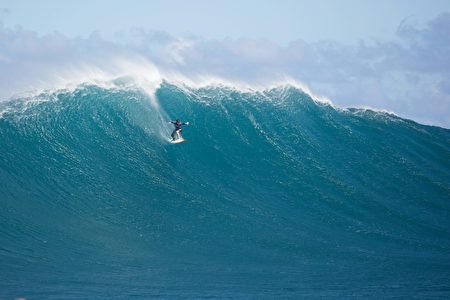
178,121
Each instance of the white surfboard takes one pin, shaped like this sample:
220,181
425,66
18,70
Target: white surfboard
177,141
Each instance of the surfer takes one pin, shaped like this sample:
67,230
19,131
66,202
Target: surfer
176,133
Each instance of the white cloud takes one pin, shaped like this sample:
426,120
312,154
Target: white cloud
407,75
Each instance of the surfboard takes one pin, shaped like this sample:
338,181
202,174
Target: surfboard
177,141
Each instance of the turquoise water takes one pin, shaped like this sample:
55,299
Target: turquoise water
273,196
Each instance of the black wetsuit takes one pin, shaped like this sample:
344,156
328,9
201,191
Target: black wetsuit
177,125
177,129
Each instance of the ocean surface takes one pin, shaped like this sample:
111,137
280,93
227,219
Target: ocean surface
273,196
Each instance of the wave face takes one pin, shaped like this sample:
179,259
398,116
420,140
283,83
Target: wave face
273,196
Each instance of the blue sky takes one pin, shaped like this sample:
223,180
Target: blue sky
392,55
281,21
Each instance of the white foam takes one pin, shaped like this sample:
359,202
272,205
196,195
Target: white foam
144,75
141,72
135,71
364,108
207,80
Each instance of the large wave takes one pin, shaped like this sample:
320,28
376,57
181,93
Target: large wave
274,195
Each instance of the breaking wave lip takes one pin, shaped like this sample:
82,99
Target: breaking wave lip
189,86
135,71
364,108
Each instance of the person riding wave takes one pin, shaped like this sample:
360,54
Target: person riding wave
176,133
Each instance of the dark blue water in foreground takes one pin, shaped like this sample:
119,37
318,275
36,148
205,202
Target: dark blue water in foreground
273,196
